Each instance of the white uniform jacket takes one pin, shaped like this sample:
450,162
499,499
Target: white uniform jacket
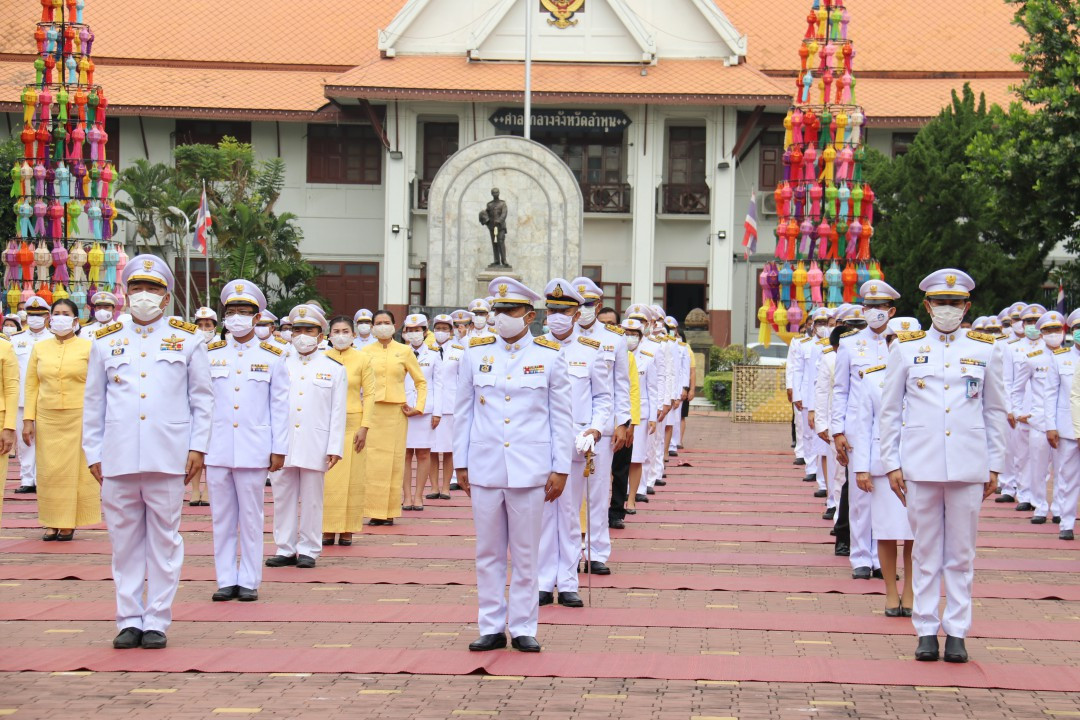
1058,392
1021,398
317,400
1030,373
362,342
866,436
590,382
793,367
429,361
858,350
952,391
651,403
805,390
251,403
822,395
613,348
512,420
148,391
447,375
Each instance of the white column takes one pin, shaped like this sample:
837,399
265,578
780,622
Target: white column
400,126
646,155
723,215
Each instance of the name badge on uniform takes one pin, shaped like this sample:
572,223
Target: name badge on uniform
922,359
118,351
534,369
969,361
260,368
579,364
972,388
323,376
485,368
609,348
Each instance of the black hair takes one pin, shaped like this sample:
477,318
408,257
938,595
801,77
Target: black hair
14,319
340,319
609,309
834,336
385,312
65,302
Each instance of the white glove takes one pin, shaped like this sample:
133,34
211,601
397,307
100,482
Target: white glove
584,442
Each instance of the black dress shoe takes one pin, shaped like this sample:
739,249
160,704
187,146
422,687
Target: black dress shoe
906,612
1057,519
799,461
154,640
1038,520
344,542
23,489
65,537
616,524
829,514
649,491
821,493
50,536
927,649
546,598
444,496
375,522
525,644
641,498
488,642
1065,535
955,652
280,561
809,478
328,540
894,612
861,573
431,496
661,483
455,486
127,639
225,593
570,599
247,594
842,549
305,561
1005,499
672,453
1024,507
631,511
596,568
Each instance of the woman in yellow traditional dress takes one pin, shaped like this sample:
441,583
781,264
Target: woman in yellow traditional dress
68,497
343,487
385,425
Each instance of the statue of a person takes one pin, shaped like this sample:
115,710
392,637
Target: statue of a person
494,218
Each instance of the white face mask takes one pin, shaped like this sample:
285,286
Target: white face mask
491,320
341,341
1031,332
36,322
10,329
63,324
262,331
876,318
479,320
946,317
414,338
822,332
442,337
208,334
383,332
559,324
239,325
588,315
508,326
286,335
305,344
632,342
1054,339
363,329
1017,328
145,306
103,316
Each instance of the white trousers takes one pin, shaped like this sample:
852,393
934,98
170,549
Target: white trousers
298,530
801,446
599,489
27,458
560,534
238,519
863,547
1038,465
143,516
828,464
944,518
507,522
1066,482
656,456
1007,480
1020,457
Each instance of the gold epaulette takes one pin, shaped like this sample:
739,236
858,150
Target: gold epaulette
909,336
216,344
270,348
181,325
1061,351
1015,340
849,333
646,353
549,344
867,371
4,337
456,346
279,340
84,322
1037,353
108,330
981,337
682,344
827,350
615,329
477,341
594,344
806,339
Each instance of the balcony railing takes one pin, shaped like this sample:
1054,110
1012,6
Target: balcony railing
684,199
609,198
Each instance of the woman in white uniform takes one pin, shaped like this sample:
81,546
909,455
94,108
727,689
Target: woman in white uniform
889,517
451,349
421,435
651,403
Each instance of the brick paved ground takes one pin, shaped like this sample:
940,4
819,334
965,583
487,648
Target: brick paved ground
734,521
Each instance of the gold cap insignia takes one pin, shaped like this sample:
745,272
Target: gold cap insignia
905,325
950,280
581,288
873,289
239,287
557,292
502,289
302,312
148,265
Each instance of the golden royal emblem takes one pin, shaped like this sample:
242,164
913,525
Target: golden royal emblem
581,288
148,265
562,11
557,292
239,288
905,325
302,312
950,280
502,289
873,289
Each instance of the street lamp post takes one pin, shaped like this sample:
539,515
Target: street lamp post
187,259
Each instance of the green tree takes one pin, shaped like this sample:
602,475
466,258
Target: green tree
930,214
11,152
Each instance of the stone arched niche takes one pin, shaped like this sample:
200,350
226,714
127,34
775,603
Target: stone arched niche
543,227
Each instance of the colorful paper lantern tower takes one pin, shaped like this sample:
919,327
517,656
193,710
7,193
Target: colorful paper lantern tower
62,185
824,206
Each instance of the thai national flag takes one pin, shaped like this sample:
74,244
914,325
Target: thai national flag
1061,298
202,225
750,227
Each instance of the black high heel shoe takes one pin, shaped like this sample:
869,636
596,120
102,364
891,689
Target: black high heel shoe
897,611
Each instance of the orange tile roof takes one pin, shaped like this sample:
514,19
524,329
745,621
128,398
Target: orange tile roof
442,77
907,102
889,35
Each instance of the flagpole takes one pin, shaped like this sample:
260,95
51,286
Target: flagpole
208,255
528,68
